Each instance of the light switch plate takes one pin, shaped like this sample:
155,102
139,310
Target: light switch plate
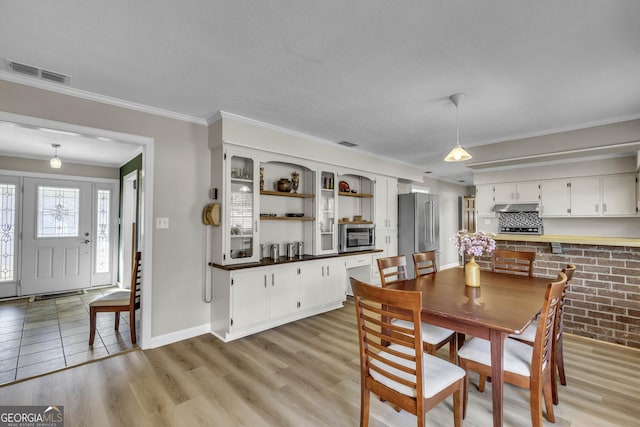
162,222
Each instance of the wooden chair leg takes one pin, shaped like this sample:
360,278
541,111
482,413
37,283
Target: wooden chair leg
554,380
548,400
481,383
132,325
457,405
453,350
92,325
535,406
465,394
117,325
365,400
560,362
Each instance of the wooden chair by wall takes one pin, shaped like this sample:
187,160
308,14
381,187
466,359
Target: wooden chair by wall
425,263
513,261
433,336
392,269
524,366
557,358
117,302
400,373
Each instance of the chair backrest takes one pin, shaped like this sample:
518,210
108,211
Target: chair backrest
136,281
425,263
568,271
513,261
400,364
392,269
544,342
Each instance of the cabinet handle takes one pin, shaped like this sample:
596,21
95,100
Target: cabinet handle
265,280
517,196
596,207
512,196
604,207
256,226
328,273
323,271
273,280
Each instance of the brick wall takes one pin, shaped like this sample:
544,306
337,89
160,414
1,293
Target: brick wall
603,301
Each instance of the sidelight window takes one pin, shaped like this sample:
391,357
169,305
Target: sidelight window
7,231
103,232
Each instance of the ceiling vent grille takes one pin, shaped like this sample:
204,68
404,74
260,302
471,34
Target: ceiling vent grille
32,71
347,144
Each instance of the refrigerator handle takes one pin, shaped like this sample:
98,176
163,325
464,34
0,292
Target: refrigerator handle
429,221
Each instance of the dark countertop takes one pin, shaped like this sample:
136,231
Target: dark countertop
266,262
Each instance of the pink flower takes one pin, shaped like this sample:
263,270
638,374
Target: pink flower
474,244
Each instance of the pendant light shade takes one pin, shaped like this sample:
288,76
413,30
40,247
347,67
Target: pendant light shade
55,162
458,154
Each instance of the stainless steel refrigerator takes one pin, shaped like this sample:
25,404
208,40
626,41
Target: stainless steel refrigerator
418,225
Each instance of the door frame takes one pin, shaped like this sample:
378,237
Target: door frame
145,233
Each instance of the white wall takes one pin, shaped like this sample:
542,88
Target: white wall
449,196
181,174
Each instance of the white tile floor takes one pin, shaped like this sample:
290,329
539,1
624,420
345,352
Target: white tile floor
37,337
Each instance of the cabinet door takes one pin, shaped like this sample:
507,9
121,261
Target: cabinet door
284,283
241,219
386,202
335,281
311,284
327,190
484,200
392,203
248,298
504,193
555,198
528,192
619,195
585,197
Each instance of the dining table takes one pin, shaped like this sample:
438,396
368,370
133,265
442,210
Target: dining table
503,304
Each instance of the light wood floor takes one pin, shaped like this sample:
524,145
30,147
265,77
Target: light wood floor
303,374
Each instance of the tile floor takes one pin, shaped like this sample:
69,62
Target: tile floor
42,336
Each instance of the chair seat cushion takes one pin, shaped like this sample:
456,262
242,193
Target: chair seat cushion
438,373
115,298
529,334
517,355
430,334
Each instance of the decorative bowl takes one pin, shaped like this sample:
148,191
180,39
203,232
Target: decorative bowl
284,185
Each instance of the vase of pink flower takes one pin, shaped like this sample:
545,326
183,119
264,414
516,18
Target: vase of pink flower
473,244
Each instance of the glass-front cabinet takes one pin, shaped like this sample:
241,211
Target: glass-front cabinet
327,241
241,212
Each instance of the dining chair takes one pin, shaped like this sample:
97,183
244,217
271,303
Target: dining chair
557,358
425,263
524,365
433,336
400,373
513,261
117,302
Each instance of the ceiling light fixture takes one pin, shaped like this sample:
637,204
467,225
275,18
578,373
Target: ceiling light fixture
55,161
458,154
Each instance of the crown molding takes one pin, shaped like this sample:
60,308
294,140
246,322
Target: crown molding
90,96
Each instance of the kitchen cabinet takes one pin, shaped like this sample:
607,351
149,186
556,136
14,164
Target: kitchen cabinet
619,195
386,202
249,298
586,196
327,190
484,200
517,192
284,291
387,240
555,198
322,282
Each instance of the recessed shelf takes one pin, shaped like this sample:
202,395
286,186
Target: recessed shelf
287,218
354,222
283,194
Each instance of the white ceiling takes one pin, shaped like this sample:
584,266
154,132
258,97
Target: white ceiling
374,72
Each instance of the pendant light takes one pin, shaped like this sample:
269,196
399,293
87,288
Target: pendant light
55,162
458,154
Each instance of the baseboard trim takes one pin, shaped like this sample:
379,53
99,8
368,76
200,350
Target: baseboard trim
172,337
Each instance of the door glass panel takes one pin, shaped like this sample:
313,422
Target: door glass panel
7,231
58,211
103,232
241,219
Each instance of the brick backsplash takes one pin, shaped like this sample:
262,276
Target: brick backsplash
603,300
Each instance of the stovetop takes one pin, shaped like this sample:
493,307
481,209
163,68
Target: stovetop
521,230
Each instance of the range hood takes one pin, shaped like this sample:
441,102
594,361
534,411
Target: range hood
516,207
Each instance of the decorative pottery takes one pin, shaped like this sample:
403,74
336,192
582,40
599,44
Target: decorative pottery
295,181
472,273
284,185
261,178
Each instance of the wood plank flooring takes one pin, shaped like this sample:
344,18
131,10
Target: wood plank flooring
304,374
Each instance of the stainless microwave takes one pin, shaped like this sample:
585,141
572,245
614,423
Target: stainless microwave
356,237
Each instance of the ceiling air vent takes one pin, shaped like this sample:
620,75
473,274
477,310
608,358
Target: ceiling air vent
32,71
347,144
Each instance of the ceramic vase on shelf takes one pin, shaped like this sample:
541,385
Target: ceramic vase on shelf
295,181
472,273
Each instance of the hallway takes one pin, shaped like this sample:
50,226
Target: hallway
50,334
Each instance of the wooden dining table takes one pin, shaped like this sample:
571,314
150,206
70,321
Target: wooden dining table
503,304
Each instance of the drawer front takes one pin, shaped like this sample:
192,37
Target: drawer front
358,261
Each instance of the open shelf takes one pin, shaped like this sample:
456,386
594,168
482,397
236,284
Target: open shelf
354,222
283,194
368,196
287,218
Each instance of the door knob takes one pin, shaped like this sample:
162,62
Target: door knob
86,241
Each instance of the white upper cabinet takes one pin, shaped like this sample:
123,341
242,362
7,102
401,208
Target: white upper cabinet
586,196
517,192
555,198
619,195
386,201
484,200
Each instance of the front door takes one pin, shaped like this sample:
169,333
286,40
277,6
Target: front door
56,250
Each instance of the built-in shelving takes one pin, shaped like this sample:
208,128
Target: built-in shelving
287,218
368,196
283,194
354,222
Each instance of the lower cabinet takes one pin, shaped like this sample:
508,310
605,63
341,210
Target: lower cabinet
251,300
